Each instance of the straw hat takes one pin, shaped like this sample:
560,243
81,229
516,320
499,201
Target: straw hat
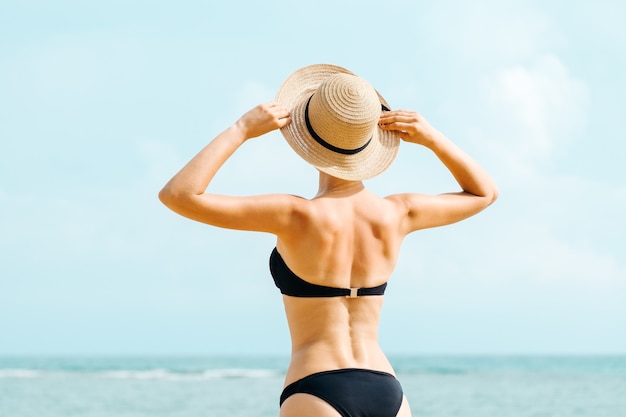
334,122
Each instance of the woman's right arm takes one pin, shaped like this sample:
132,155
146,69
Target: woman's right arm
186,192
424,211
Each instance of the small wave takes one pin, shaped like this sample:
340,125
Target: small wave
151,374
142,375
20,374
163,374
239,373
444,371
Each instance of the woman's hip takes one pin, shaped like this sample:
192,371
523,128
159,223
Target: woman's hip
350,391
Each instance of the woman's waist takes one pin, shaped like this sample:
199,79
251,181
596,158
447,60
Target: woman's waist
324,356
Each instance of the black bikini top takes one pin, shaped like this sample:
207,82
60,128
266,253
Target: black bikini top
291,284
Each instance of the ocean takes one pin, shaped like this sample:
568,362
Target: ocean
436,386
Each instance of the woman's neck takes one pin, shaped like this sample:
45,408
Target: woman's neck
333,186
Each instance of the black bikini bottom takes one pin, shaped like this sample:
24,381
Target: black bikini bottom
352,392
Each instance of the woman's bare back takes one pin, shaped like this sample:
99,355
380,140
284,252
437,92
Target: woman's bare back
349,239
344,241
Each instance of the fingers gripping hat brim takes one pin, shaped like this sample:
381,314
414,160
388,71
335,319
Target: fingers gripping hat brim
295,93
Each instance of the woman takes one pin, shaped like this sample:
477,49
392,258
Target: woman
336,251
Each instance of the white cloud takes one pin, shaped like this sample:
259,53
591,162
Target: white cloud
523,102
532,111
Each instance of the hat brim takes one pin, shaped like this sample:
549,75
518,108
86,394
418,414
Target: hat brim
371,161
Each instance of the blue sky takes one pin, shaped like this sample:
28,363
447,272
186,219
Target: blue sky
101,102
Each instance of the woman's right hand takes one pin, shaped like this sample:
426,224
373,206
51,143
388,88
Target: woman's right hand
263,119
410,126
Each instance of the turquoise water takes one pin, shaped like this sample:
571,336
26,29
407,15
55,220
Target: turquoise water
249,387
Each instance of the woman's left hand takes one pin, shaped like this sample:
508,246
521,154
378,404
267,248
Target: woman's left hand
263,119
409,125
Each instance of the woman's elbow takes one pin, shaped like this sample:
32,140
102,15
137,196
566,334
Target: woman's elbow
168,197
179,201
492,195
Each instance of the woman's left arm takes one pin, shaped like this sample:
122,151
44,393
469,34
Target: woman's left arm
424,211
185,192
